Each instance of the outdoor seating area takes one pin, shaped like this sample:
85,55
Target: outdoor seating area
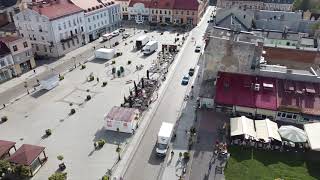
30,156
264,134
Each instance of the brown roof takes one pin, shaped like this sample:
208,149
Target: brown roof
57,9
26,154
168,4
122,114
8,39
5,146
186,4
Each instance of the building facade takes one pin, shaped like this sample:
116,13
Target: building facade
100,17
6,63
272,5
124,4
8,9
21,52
53,27
166,11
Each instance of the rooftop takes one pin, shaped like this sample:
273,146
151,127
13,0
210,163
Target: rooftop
5,146
56,9
7,3
8,39
91,5
26,154
122,114
267,93
168,4
4,50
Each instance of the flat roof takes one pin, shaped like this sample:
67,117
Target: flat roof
121,114
239,89
165,129
267,93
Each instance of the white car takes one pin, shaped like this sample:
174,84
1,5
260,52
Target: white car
115,33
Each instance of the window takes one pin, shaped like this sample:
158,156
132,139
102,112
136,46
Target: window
181,12
283,115
187,12
45,48
80,20
165,12
74,22
289,116
63,46
37,47
64,25
160,12
88,19
15,48
72,42
22,35
27,53
98,24
294,116
89,28
77,40
69,22
152,12
81,29
59,27
95,26
97,16
93,17
279,114
101,15
105,14
25,44
169,12
76,31
68,43
192,12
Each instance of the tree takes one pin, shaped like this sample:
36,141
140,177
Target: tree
121,69
114,70
119,73
22,171
58,176
4,166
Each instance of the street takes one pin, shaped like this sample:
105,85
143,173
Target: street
145,159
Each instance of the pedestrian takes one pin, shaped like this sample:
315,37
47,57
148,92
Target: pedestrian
4,105
34,71
38,82
172,153
97,79
94,48
210,166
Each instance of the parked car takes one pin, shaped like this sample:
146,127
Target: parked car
125,35
198,49
191,71
185,80
122,30
115,33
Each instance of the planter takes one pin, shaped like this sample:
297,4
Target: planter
48,132
4,118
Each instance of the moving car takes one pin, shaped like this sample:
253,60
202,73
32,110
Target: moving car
191,71
122,30
107,36
185,80
115,33
198,49
125,35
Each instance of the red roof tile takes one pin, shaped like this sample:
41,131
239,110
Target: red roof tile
57,10
26,154
186,4
5,146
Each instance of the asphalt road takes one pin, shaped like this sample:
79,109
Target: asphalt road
145,165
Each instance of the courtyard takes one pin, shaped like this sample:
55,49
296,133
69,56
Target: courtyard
73,136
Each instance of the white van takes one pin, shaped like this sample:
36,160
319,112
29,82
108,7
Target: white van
150,47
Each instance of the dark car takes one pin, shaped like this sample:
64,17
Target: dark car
198,49
185,80
191,72
122,30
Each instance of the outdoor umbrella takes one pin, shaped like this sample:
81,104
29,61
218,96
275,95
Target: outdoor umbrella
292,134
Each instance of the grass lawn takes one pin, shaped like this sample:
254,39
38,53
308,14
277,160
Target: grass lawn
252,164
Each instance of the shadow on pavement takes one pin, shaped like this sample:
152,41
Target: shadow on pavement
99,60
111,137
154,159
39,93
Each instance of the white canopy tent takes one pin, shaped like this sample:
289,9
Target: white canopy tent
312,130
242,126
266,130
293,134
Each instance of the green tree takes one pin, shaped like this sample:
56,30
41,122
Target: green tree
22,171
58,176
4,166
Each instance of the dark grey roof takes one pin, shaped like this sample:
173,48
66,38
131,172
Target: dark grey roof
4,50
228,17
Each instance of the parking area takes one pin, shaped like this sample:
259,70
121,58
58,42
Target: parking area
73,135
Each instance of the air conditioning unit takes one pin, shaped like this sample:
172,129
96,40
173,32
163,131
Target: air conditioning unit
256,87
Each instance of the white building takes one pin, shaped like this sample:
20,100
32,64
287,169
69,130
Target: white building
124,4
54,27
100,17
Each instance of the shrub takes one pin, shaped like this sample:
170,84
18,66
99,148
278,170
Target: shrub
48,132
105,177
129,62
113,62
4,118
61,78
114,70
90,78
119,73
121,69
88,97
58,176
83,66
70,104
88,90
60,157
101,142
186,155
72,111
104,83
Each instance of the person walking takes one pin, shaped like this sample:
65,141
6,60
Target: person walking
172,153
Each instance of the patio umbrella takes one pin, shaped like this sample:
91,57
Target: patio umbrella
292,134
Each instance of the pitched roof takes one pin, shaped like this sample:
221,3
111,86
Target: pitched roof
168,4
7,3
57,9
244,18
5,146
26,154
122,114
8,39
92,4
